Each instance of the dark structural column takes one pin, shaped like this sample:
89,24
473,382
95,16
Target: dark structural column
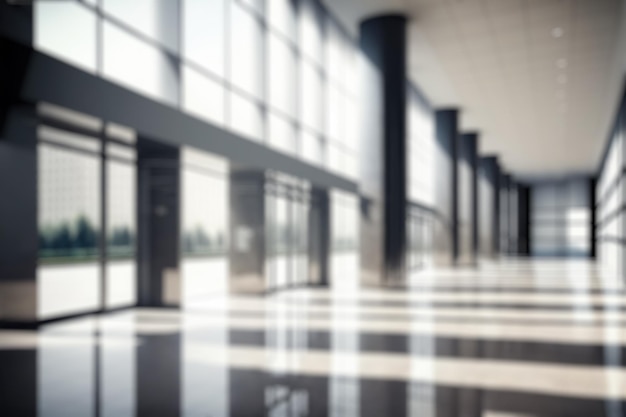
383,42
523,212
319,237
19,242
447,184
490,205
592,218
158,221
504,213
468,181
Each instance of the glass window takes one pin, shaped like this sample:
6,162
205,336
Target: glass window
202,96
334,114
282,68
281,15
156,19
246,39
121,234
334,158
69,205
310,30
245,117
256,5
334,53
351,125
121,210
66,30
138,65
282,134
311,147
203,33
310,96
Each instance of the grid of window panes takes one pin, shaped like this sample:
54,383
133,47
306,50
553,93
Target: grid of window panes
287,205
421,165
83,163
419,229
421,146
560,217
281,72
609,202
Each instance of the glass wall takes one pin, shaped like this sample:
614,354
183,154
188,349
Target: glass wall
421,168
419,239
610,194
68,274
344,246
280,72
86,177
121,172
287,206
204,228
560,218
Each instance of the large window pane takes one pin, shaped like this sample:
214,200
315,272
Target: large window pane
66,30
310,30
282,134
69,219
246,39
138,65
282,68
256,5
281,16
310,96
335,117
121,210
69,205
204,228
311,148
245,117
203,28
156,19
121,235
203,96
334,53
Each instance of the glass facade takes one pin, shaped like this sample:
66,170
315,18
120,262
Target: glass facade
280,72
87,214
421,169
344,237
560,218
287,206
205,232
609,202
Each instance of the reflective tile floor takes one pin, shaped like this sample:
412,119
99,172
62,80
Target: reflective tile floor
513,339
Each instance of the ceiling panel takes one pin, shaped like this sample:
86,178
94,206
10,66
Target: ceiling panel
534,76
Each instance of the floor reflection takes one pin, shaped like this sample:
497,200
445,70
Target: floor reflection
338,353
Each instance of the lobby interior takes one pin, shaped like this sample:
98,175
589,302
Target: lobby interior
296,208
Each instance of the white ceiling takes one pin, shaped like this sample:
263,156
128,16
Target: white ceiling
543,102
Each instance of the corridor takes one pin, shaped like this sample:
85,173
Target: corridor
509,339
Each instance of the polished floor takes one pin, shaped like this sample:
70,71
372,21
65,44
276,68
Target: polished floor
511,339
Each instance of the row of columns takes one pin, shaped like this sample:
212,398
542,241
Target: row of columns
457,233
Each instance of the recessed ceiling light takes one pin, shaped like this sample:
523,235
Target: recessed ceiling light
561,63
561,79
557,32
